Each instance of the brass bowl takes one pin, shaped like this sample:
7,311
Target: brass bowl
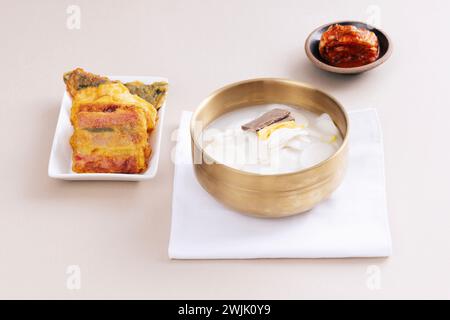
272,195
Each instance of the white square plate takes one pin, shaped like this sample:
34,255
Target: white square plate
60,164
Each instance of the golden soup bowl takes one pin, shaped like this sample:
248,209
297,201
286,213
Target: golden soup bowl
268,195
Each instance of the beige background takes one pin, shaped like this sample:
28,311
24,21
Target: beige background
118,232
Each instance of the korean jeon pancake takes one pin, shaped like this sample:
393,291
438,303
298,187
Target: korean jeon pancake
78,79
108,97
111,124
110,142
155,93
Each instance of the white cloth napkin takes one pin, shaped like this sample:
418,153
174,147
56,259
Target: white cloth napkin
353,222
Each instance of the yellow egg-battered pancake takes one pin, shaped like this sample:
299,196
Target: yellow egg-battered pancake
110,142
78,79
111,96
112,122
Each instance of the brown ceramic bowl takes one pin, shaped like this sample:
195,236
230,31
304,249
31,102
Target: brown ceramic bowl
270,195
312,48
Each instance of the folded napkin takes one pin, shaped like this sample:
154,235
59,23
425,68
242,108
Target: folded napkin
353,222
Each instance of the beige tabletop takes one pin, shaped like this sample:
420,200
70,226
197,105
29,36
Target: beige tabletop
109,239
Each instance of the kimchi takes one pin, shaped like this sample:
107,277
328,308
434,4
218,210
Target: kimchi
348,46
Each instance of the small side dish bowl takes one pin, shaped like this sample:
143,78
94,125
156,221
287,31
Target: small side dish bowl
60,164
271,195
312,48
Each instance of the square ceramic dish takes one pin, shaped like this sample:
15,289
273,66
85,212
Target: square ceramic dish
60,164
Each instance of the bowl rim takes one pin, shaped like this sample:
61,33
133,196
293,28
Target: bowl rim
366,67
203,104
